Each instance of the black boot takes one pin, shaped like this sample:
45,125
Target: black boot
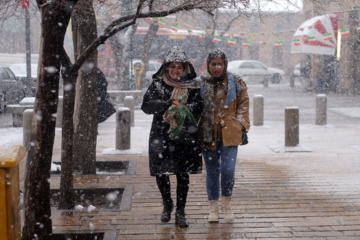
181,192
163,183
166,213
180,219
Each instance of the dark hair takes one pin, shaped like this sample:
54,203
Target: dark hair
216,53
183,64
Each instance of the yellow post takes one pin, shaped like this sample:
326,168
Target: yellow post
138,68
338,45
10,222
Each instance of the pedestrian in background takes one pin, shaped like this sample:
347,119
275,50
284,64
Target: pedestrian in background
174,148
105,107
223,126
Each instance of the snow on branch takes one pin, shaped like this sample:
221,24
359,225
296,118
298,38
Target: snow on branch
128,20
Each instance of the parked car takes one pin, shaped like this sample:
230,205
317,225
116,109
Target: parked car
20,72
252,70
152,69
11,89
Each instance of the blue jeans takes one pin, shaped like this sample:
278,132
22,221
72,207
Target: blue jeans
215,167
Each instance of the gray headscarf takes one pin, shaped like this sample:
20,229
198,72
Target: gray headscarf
207,128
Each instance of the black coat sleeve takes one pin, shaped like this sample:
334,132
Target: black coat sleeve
155,100
195,103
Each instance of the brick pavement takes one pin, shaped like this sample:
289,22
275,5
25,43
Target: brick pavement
300,195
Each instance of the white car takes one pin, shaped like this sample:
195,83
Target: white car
254,70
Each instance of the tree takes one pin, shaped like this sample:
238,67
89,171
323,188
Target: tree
85,120
145,56
120,43
55,16
83,129
121,48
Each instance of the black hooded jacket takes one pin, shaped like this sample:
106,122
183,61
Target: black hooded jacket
166,154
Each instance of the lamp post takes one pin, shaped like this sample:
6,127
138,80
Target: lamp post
25,5
126,8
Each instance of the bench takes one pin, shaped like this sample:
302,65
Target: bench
117,97
10,220
17,110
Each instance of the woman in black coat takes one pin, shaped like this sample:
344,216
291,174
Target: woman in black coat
175,101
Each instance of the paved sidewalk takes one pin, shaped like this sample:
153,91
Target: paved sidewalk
297,195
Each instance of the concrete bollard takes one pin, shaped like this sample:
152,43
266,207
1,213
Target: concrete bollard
27,126
291,126
266,82
258,110
321,105
292,80
123,129
129,102
59,112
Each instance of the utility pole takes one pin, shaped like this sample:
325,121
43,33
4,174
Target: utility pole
126,7
25,5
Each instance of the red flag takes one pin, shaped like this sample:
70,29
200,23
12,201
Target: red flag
25,3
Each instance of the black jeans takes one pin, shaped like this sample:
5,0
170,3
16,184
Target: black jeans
163,183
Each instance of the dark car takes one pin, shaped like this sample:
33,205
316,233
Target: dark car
20,71
11,89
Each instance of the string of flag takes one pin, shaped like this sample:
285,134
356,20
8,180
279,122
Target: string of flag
252,37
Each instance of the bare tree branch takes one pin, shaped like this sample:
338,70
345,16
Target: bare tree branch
116,27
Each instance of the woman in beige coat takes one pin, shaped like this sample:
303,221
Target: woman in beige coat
223,126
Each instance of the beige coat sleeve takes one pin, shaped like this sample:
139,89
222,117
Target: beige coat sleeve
242,111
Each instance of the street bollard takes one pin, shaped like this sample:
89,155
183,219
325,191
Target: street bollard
59,112
129,102
258,110
266,82
291,126
292,80
123,129
321,105
10,219
27,126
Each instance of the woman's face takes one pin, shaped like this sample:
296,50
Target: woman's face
216,67
176,70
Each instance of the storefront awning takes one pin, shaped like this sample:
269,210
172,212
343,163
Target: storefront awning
316,36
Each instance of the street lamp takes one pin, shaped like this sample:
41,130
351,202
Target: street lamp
25,5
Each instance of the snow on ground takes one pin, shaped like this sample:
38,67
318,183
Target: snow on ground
11,136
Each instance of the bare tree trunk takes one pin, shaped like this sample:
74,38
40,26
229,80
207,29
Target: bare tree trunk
121,50
85,119
149,38
37,222
117,48
127,56
206,44
67,197
354,41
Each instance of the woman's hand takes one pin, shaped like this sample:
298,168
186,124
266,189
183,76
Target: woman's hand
176,103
